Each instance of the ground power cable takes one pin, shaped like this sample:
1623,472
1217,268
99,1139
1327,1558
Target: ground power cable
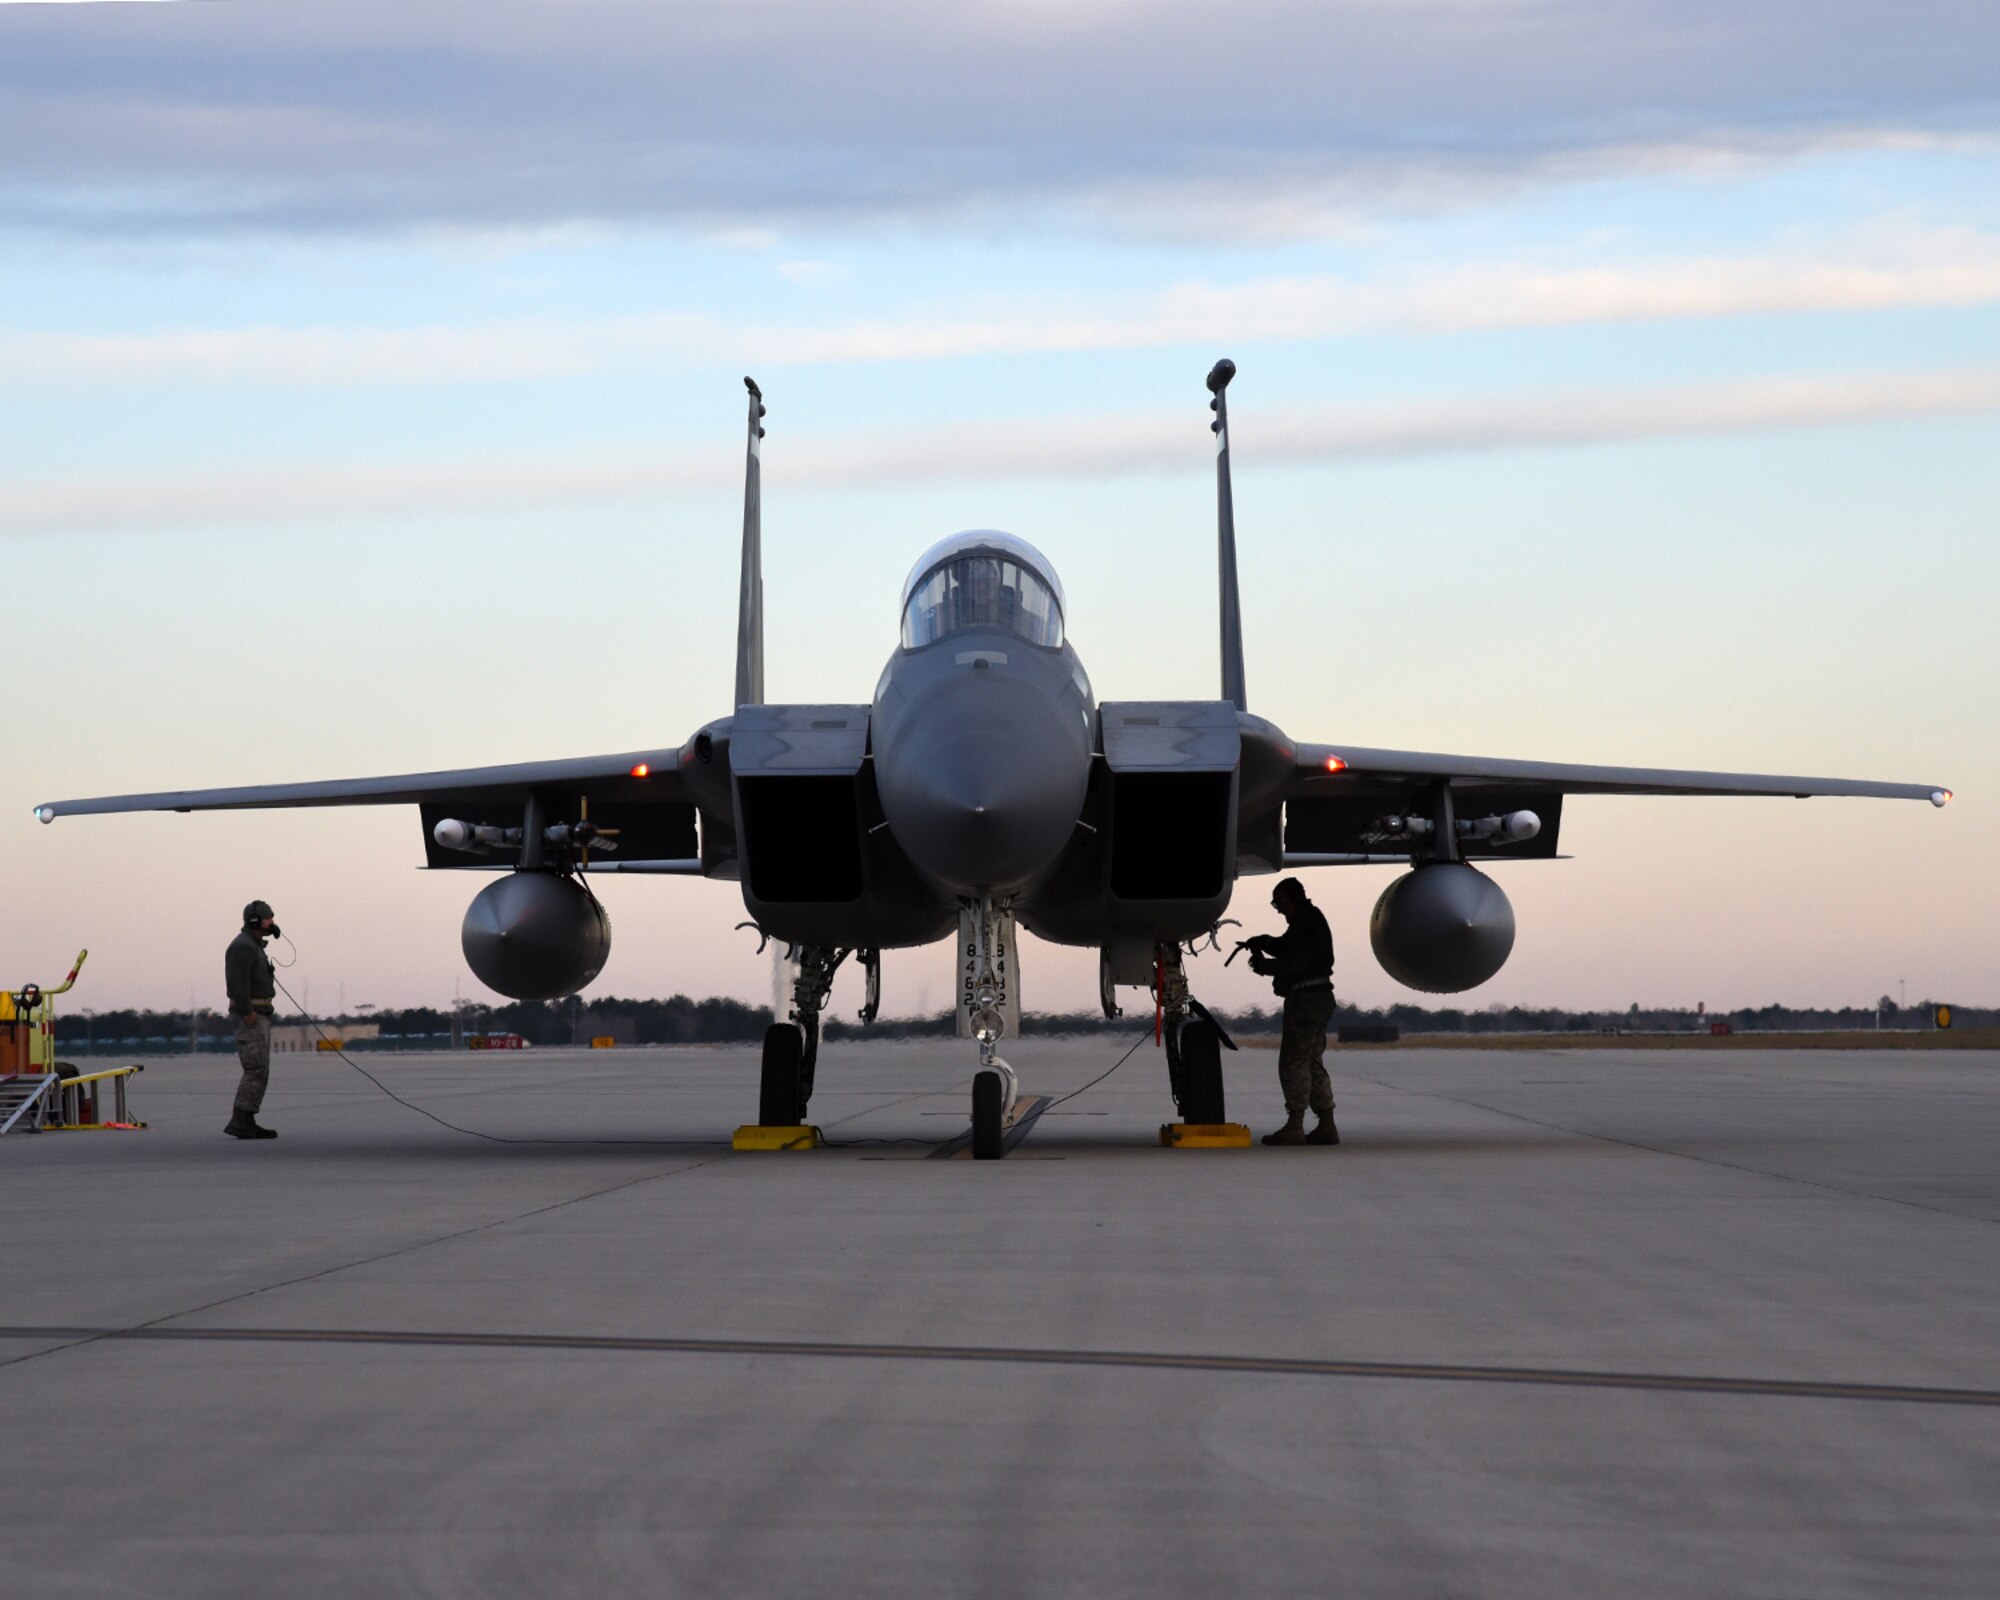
909,1138
1094,1082
333,1047
842,1144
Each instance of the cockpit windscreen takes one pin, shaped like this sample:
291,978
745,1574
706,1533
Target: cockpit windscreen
982,591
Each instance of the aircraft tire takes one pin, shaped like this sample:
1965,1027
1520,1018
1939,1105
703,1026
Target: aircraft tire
781,1098
1201,1097
987,1112
808,1063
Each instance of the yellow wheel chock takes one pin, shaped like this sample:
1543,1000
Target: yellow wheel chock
754,1136
1204,1136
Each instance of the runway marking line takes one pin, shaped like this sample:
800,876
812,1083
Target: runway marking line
1135,1360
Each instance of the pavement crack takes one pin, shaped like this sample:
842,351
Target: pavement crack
159,1322
1693,1383
1681,1155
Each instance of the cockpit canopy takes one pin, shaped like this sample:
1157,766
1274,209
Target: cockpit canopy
982,579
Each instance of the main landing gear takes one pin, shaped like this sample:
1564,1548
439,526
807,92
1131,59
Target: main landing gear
791,1049
781,1091
1194,1042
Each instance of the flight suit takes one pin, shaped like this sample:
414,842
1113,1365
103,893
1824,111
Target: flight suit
252,988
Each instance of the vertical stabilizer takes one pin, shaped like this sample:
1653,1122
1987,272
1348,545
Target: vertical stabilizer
1225,517
750,601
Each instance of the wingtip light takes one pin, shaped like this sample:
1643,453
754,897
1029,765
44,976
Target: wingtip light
642,770
45,813
1335,764
1940,797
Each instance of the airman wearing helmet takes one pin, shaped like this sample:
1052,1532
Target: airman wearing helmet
253,987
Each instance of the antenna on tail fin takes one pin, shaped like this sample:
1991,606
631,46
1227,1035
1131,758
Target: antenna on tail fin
750,603
1225,517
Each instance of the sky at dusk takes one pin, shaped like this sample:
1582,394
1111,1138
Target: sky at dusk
1619,381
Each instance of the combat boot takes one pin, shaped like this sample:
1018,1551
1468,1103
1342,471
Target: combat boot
243,1125
1293,1132
1324,1132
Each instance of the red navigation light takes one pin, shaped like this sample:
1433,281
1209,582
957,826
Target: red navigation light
642,771
1335,764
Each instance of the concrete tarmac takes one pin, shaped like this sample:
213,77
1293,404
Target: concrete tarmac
1589,1323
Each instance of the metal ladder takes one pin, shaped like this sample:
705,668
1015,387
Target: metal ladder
25,1100
81,1097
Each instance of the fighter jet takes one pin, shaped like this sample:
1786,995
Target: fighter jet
984,788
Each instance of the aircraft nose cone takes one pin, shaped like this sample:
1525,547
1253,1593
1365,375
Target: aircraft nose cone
982,820
984,798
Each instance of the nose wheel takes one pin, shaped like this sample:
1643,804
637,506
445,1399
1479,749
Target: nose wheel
989,1115
995,1091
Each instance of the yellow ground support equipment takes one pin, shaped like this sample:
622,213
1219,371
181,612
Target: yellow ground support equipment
753,1136
1204,1136
36,1090
79,1103
28,1025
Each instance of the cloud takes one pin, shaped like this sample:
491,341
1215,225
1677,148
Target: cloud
1922,270
1083,447
293,114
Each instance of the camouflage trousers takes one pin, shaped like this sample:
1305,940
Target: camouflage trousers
253,1049
1302,1052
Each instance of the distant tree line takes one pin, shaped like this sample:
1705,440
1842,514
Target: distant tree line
680,1020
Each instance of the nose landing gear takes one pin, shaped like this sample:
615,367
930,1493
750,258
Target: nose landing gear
987,1002
989,1116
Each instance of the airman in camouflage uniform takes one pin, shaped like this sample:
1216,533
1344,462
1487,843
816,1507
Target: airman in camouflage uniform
252,989
1299,963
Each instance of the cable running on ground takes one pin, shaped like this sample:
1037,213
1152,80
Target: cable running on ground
658,1144
1094,1082
474,1133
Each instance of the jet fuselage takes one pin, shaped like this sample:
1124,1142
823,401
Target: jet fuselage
982,747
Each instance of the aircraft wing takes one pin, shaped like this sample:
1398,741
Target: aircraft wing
1349,805
634,775
637,798
1336,768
